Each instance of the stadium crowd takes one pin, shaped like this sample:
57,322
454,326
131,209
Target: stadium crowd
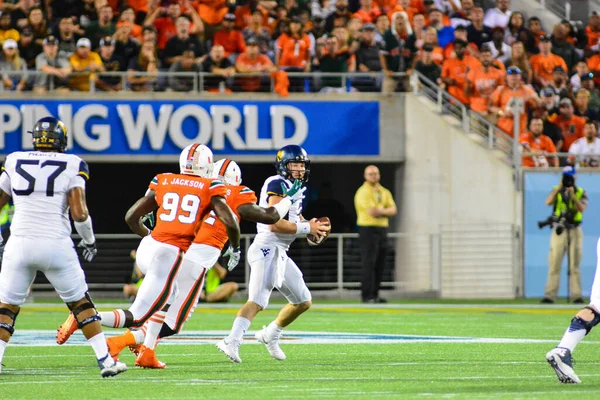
484,58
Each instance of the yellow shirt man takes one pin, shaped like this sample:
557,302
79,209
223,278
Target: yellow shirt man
374,204
84,60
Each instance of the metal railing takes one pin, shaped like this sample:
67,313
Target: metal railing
334,265
559,7
471,122
196,82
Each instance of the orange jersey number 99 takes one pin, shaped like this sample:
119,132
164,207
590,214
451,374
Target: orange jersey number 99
185,209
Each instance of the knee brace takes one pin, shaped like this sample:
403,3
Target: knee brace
10,314
578,323
85,306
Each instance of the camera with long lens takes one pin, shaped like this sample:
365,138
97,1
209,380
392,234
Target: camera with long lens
560,223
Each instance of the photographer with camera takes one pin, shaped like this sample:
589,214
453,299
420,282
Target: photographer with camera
569,202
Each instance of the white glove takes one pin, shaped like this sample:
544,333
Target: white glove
234,257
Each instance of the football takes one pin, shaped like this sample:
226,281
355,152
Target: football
314,240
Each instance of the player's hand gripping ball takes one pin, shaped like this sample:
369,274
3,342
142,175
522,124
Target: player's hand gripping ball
315,240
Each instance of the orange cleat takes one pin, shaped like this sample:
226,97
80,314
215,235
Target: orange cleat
116,344
147,359
67,328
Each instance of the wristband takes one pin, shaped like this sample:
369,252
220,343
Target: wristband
303,228
85,230
283,207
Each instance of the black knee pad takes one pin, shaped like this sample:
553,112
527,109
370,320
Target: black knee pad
85,306
10,314
579,323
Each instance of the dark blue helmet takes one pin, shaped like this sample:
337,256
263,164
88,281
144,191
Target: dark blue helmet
292,153
50,133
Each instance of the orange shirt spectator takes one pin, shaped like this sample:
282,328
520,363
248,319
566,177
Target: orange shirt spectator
231,40
501,101
482,81
592,31
454,72
136,30
537,143
368,12
138,5
252,62
543,64
293,50
212,11
570,124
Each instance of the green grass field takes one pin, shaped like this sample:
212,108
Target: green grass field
396,352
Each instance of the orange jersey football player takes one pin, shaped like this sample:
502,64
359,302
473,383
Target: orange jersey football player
211,237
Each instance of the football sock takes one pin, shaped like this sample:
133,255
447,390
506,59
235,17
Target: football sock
2,348
113,319
98,343
239,328
573,335
273,330
154,324
139,335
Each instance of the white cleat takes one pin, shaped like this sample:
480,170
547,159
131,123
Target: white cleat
109,367
231,350
272,345
561,361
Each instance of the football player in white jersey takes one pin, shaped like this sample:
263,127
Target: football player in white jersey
45,185
270,265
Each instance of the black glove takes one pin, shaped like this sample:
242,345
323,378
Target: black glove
88,251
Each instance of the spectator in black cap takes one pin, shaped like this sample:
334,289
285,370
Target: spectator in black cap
55,65
367,59
28,48
186,62
124,46
560,78
231,39
181,42
6,30
66,36
562,48
112,62
259,32
543,64
500,50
